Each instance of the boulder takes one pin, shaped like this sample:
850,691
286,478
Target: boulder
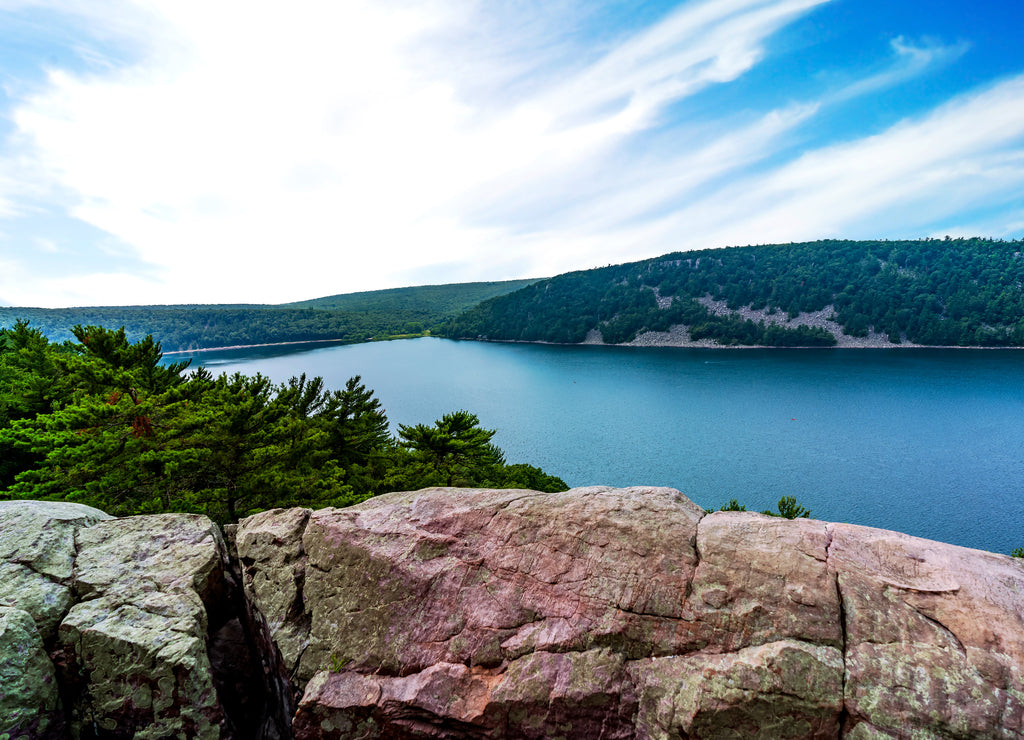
37,557
784,689
149,586
448,613
484,577
29,700
934,636
273,573
629,613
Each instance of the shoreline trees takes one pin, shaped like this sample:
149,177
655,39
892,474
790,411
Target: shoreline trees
104,423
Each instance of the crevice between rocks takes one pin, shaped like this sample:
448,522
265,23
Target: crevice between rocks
697,557
844,714
255,691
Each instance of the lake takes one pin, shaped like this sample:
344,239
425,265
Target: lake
928,442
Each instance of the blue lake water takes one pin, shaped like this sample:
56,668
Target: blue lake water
928,442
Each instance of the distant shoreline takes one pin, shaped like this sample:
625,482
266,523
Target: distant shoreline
709,344
640,342
254,346
298,341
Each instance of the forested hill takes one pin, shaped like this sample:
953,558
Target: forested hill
960,292
354,317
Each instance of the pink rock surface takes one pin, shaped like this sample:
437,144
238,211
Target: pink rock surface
934,635
630,613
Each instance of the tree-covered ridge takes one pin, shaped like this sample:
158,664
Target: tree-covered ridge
354,317
104,422
955,292
450,299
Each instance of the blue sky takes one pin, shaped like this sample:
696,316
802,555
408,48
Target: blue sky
175,151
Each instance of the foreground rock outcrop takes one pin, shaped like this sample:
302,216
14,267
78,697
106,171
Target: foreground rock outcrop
598,612
113,630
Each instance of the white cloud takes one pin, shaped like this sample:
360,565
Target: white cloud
967,153
47,246
911,60
253,152
263,153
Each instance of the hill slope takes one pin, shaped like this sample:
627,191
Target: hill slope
353,317
448,299
955,292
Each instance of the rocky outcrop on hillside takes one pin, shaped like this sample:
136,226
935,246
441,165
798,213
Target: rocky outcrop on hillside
612,613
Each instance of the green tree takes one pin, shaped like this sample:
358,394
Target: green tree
790,509
105,422
521,475
453,447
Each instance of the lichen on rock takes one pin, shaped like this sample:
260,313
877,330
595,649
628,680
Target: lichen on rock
139,636
29,700
452,613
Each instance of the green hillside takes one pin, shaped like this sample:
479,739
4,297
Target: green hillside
958,292
436,299
353,317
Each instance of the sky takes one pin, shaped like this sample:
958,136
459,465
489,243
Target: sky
186,151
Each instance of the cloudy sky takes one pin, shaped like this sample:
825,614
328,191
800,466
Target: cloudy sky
187,151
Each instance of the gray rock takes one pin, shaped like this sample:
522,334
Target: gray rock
29,701
140,635
41,534
273,563
37,556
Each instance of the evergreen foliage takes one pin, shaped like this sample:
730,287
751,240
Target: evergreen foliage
103,422
790,509
952,292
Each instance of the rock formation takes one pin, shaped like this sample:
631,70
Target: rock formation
141,603
598,612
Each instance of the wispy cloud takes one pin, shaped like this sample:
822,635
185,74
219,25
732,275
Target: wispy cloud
911,60
968,152
256,153
701,44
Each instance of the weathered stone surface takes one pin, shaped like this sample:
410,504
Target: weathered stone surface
445,700
629,613
37,556
934,635
139,637
273,562
541,695
598,612
785,689
29,702
160,552
763,579
483,577
46,600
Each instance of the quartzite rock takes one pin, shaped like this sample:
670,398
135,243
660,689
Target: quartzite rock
934,636
273,570
482,577
29,702
37,556
139,637
598,612
785,689
629,613
763,579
